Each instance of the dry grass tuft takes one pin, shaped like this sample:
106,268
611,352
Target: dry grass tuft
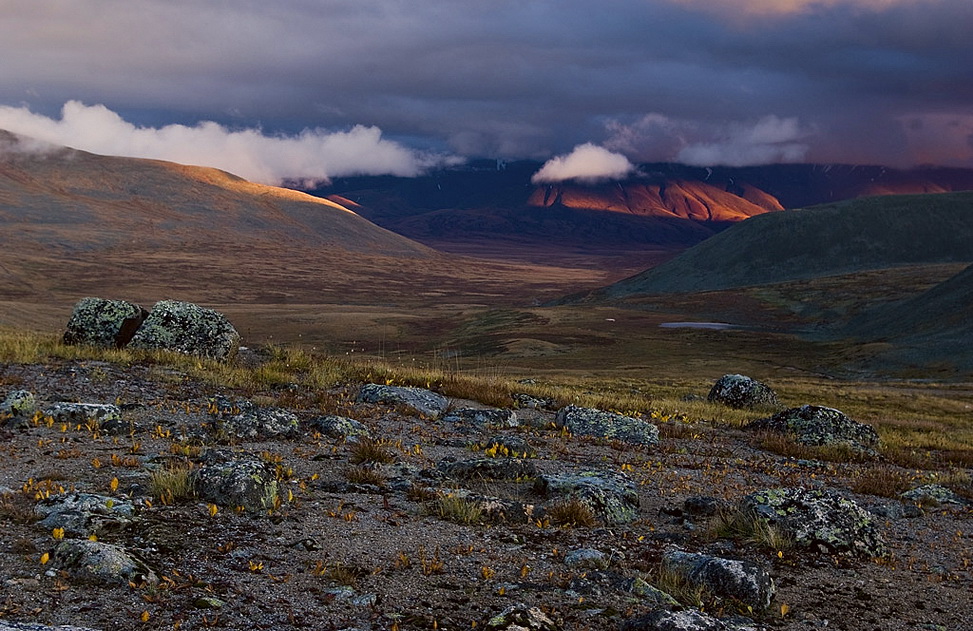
748,526
571,513
365,475
172,483
368,451
457,509
882,481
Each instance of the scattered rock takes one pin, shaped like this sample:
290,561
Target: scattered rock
522,618
739,391
105,323
743,581
84,514
81,413
99,562
933,495
187,328
895,510
489,469
524,400
509,446
587,558
426,402
19,403
601,424
819,519
236,481
334,426
815,426
702,506
613,498
243,419
689,620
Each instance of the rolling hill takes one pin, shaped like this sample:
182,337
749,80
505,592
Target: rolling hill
841,238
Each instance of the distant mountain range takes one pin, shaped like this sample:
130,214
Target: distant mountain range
665,205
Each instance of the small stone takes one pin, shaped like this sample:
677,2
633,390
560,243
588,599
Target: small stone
243,481
522,618
334,426
99,562
81,413
208,602
587,558
740,580
18,403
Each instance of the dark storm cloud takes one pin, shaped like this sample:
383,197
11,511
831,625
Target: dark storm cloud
736,81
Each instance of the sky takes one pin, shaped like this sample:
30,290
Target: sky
312,89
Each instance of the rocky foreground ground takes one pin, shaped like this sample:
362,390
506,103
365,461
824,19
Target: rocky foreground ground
177,504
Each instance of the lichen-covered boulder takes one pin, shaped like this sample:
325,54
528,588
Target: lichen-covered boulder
81,413
105,323
933,495
494,417
612,497
488,469
84,514
819,519
243,419
19,403
816,426
229,480
739,391
521,618
426,402
187,328
647,593
99,562
743,581
600,424
688,620
524,400
339,427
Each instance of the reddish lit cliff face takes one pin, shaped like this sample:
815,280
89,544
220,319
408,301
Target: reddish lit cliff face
681,199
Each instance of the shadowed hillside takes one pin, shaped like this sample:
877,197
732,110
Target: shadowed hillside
842,238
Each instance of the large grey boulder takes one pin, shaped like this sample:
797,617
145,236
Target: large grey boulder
187,328
426,402
228,480
818,519
600,424
243,419
106,323
743,581
611,497
739,391
97,562
816,426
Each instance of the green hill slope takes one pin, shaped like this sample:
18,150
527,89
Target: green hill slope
841,238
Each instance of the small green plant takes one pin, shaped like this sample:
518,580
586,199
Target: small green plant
571,513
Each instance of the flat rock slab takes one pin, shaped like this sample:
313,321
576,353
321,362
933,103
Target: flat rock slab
740,391
819,519
613,498
743,581
83,514
816,425
601,424
426,402
80,413
689,620
243,481
243,419
99,562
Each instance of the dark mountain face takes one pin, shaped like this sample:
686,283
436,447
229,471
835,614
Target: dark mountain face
669,206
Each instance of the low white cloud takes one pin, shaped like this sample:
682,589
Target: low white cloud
655,137
786,7
769,140
587,163
313,155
